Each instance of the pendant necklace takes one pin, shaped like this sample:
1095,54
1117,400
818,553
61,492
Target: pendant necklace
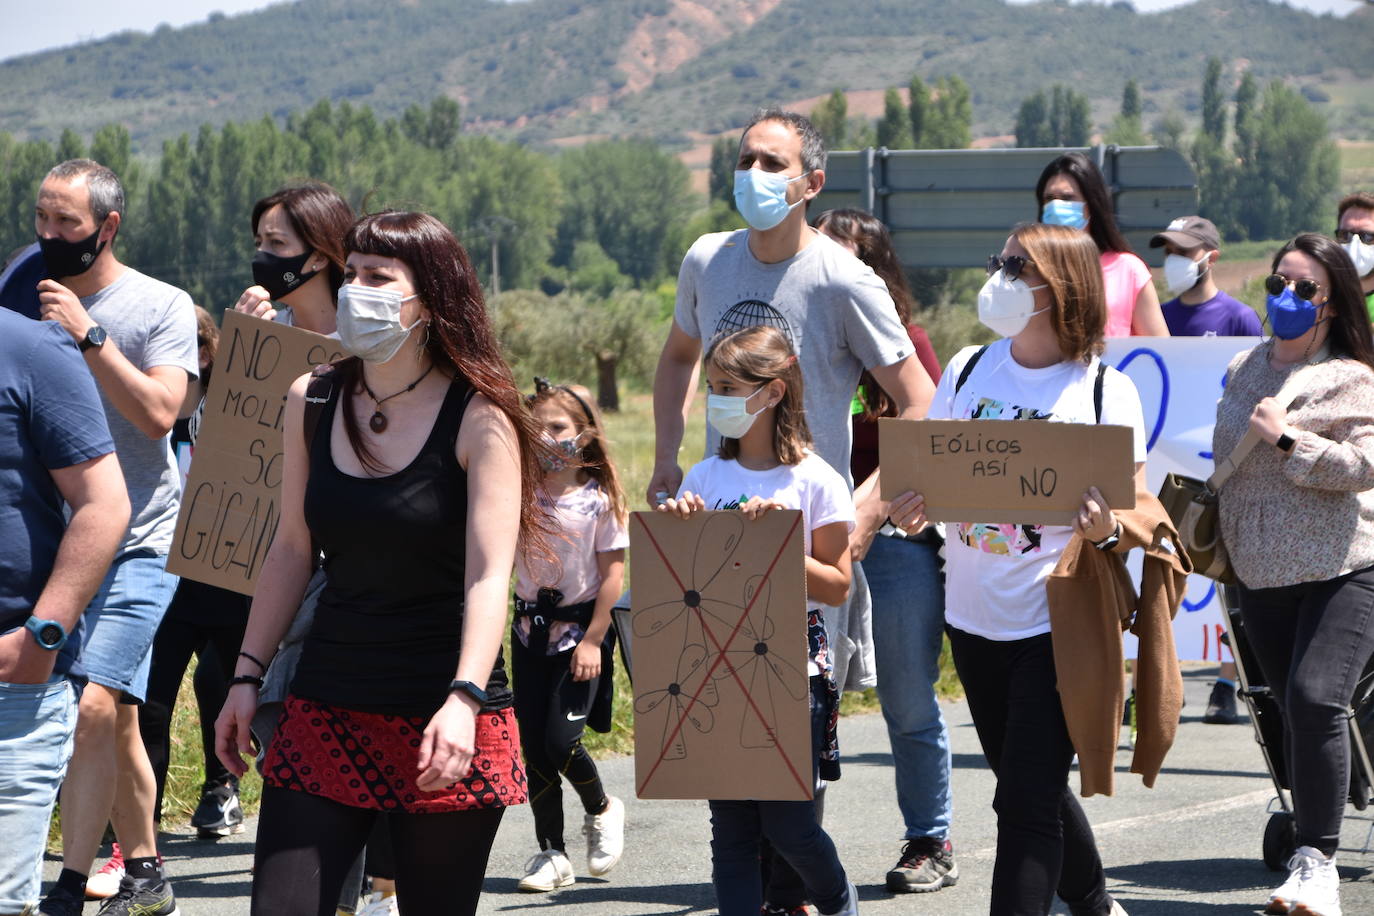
378,421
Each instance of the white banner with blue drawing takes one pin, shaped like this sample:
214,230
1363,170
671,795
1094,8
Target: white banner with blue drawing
1180,380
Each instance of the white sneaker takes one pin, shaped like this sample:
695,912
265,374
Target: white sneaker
1321,892
105,883
380,904
1302,865
851,903
605,837
547,870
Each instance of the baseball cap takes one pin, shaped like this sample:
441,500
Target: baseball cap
1189,232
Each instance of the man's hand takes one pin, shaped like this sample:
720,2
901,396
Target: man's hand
663,484
256,302
57,303
23,660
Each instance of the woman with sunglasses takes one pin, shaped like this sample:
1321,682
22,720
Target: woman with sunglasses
1044,298
1072,192
1297,517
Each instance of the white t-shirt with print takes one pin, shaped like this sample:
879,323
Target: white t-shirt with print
995,575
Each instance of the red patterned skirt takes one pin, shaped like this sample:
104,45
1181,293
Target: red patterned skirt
369,760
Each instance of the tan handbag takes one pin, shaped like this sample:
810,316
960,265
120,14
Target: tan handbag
1193,507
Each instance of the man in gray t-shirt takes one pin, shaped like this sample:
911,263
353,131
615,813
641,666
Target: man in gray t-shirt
138,338
839,316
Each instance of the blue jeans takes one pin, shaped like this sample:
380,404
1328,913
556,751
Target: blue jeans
791,829
121,621
37,727
908,624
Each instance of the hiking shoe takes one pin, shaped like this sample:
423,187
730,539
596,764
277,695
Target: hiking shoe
605,837
141,898
105,883
218,813
61,902
1320,894
1221,706
547,870
380,904
927,864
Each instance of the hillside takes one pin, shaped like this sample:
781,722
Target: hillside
546,70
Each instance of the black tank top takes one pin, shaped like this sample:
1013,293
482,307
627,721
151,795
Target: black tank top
387,629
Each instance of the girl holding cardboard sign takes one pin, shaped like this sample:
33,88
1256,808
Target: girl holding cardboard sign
1044,296
765,463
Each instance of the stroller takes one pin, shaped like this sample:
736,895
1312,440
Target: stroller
1280,839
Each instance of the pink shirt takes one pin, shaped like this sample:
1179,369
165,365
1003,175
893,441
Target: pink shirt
1123,277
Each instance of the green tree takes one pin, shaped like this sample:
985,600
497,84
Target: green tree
950,119
69,146
1130,100
917,104
1126,129
1247,93
894,128
1063,118
626,195
830,117
1213,102
724,158
1168,130
1032,121
1286,186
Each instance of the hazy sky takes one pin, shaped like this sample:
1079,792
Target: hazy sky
53,23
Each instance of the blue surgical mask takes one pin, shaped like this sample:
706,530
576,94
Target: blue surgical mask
761,197
1289,316
1064,213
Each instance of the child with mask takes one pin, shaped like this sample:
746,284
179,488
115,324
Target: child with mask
765,463
562,637
1044,298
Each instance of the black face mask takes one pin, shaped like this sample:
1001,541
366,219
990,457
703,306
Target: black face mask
68,259
279,275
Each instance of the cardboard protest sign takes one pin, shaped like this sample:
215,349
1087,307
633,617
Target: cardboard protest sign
720,682
229,508
1013,472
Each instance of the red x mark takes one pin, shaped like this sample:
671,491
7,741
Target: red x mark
720,657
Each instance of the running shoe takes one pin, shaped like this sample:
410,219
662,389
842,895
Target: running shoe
548,870
105,883
218,814
605,837
141,898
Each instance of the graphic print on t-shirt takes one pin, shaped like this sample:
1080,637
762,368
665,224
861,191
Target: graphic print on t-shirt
1006,540
752,313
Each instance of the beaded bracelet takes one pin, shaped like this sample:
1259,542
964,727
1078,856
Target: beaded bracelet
246,679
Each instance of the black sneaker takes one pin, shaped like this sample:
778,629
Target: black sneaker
1221,706
141,898
218,813
60,902
927,864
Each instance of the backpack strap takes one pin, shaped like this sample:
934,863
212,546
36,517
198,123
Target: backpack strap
968,367
1097,390
317,393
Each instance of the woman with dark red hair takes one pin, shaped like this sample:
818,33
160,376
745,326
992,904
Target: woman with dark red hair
416,483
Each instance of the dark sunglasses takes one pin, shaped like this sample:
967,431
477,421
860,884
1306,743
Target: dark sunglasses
1345,235
1010,266
1306,288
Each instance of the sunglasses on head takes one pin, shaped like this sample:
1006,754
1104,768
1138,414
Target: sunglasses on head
1010,266
1306,288
1345,235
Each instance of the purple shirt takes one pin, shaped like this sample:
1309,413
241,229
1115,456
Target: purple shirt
1219,316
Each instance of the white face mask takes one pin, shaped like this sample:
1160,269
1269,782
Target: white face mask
369,322
1361,254
1181,273
1007,307
730,414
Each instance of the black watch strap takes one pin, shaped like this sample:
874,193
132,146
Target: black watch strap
471,689
1285,443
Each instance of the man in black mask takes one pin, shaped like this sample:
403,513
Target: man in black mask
137,336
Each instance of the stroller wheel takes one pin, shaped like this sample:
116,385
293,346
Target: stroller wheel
1280,839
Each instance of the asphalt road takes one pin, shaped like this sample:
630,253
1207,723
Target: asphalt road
1190,845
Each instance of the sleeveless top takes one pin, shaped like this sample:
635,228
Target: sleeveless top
389,622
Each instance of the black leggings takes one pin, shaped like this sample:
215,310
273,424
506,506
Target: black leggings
1313,641
1044,842
306,845
552,711
207,622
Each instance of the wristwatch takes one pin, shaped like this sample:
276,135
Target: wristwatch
1111,540
471,689
94,339
49,634
1285,443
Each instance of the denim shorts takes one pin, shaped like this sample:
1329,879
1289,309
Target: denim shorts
121,621
37,727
